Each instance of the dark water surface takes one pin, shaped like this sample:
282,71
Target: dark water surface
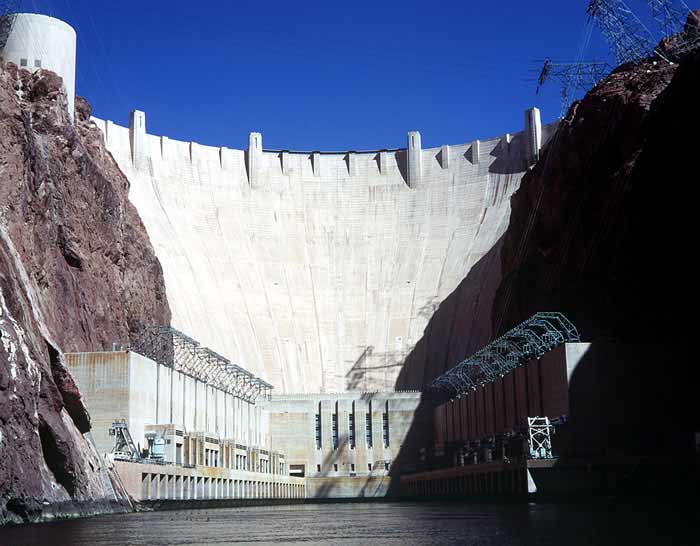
406,524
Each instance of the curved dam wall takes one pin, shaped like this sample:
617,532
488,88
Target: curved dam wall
320,271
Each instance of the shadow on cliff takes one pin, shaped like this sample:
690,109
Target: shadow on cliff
605,218
627,429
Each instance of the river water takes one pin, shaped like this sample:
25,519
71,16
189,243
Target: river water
405,524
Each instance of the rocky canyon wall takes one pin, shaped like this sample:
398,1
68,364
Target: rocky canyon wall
77,272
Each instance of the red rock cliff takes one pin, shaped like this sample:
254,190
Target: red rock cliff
602,230
77,272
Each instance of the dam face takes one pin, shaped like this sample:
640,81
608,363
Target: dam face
320,271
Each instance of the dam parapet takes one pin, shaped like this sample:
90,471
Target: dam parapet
262,168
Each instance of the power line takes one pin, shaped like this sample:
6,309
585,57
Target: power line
572,77
669,17
682,30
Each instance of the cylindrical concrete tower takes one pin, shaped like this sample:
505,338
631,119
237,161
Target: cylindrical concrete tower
33,41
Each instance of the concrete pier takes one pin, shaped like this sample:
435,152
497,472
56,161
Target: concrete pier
254,159
137,137
533,134
415,159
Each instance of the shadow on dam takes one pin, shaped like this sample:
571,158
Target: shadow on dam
632,414
611,250
460,326
630,394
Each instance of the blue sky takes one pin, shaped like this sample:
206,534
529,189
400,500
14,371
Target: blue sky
321,75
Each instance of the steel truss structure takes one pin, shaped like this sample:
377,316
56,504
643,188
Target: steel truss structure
671,17
626,35
573,77
539,438
123,443
172,348
531,339
668,16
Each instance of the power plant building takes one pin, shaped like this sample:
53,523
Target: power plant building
192,439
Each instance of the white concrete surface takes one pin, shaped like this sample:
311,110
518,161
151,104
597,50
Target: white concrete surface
350,459
174,482
317,271
38,41
126,385
533,134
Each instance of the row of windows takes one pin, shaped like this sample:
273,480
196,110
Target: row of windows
352,428
24,62
352,467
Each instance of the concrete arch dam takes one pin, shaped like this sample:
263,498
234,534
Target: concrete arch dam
320,271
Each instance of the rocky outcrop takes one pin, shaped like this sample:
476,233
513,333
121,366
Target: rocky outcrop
77,272
600,229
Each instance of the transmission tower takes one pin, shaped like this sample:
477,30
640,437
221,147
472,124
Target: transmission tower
672,21
626,35
573,77
668,16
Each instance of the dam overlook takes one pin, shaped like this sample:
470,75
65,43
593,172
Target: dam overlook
255,332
